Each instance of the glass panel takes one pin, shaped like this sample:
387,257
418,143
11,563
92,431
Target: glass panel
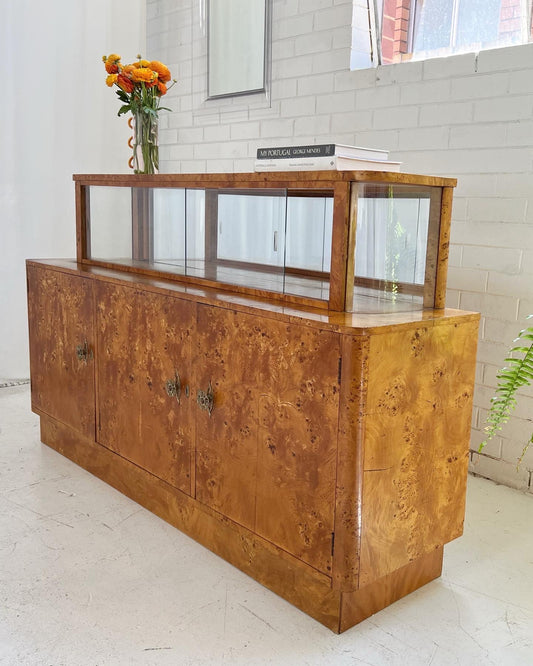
251,227
254,238
195,232
109,213
478,21
433,25
309,225
245,237
394,224
308,246
169,226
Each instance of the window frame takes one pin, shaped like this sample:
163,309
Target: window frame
397,46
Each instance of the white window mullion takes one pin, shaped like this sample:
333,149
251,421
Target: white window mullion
375,31
455,19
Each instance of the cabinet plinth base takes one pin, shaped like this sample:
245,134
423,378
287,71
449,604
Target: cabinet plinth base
290,578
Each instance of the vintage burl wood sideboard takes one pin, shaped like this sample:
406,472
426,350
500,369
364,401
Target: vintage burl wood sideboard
265,361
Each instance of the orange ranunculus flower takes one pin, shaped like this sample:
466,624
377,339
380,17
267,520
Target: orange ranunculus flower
112,63
162,70
125,83
161,87
142,63
141,74
111,79
128,69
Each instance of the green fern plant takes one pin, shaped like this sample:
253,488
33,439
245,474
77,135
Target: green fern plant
517,373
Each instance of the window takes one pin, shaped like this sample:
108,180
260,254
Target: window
417,29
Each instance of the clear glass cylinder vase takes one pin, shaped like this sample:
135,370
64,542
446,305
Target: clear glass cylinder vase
145,143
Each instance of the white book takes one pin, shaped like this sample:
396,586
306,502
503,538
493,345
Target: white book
332,163
321,150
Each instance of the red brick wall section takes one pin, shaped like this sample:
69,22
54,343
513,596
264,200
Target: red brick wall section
387,30
510,19
395,29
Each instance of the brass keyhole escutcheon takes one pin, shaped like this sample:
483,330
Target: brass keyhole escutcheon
84,352
173,387
206,399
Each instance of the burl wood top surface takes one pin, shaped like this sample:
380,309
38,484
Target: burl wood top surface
281,179
343,322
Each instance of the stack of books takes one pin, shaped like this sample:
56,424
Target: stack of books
328,156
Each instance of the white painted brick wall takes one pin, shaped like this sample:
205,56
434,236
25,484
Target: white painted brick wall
466,116
502,260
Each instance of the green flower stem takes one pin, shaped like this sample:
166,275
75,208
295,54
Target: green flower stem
145,144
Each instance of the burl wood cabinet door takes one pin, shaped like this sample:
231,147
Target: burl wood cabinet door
266,456
418,416
144,372
60,311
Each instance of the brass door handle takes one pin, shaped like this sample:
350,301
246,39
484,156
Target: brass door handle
206,399
173,387
84,352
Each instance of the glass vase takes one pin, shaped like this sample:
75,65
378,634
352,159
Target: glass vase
145,145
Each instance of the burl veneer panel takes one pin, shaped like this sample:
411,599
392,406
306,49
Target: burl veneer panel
417,417
266,457
348,509
60,311
298,375
144,339
360,604
300,584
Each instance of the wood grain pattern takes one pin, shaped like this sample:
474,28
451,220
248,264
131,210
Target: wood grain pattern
140,269
348,496
83,225
357,606
278,179
226,456
300,584
350,249
268,450
288,577
433,248
60,311
143,340
444,247
343,322
298,411
341,236
417,424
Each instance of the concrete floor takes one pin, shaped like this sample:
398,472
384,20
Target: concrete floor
88,577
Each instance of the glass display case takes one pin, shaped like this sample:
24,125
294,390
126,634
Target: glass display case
346,241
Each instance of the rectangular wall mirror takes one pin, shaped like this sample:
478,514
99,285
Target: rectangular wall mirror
236,47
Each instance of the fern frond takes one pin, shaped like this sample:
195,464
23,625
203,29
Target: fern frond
517,373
